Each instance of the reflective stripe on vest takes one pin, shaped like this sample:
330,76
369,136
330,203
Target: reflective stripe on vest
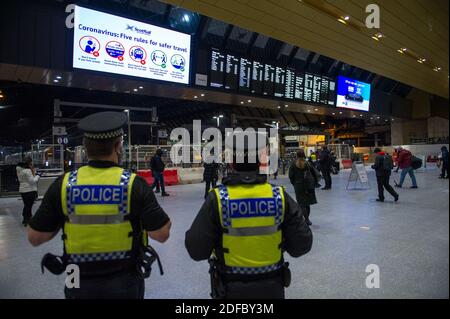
96,219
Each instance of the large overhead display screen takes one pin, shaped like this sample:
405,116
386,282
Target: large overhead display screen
231,72
108,43
217,69
353,94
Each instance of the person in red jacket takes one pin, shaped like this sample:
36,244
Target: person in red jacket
404,162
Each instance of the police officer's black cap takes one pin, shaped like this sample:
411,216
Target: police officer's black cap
103,125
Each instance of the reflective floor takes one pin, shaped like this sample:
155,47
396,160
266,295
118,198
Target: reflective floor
408,240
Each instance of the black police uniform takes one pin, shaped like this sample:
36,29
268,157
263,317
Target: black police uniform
205,236
112,278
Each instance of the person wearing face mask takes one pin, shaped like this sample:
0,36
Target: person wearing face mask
105,214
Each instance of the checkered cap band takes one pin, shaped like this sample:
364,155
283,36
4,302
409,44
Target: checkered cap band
104,135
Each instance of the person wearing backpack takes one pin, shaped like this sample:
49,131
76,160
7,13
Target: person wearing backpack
405,163
383,167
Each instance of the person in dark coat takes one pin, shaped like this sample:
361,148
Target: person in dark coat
157,166
383,172
325,162
444,160
210,176
305,195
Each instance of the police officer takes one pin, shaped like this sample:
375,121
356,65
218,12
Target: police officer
243,228
105,214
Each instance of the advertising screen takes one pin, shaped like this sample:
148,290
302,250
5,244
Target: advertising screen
353,94
108,43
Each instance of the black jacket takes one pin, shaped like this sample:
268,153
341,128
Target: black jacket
303,195
211,171
325,160
205,234
378,166
156,164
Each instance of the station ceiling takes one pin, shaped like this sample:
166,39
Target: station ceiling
419,27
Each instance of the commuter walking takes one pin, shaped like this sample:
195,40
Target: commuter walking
383,167
325,163
210,176
404,163
444,162
243,229
106,215
28,180
157,166
304,178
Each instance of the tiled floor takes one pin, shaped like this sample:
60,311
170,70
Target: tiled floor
408,240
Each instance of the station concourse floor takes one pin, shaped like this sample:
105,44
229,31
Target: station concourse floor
408,240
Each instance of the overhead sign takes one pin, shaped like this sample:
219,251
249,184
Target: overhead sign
108,43
59,130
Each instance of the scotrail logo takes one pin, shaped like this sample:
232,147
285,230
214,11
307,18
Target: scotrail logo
135,29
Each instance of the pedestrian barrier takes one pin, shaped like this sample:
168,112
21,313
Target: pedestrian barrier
170,176
347,163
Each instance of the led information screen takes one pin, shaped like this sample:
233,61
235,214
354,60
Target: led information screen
245,75
299,86
316,88
217,69
289,87
269,79
331,92
108,43
231,72
353,94
257,77
308,88
324,87
280,74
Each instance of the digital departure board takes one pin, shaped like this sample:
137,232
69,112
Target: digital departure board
231,72
308,88
280,75
332,93
240,74
245,74
289,87
269,79
299,86
217,69
257,77
316,88
324,87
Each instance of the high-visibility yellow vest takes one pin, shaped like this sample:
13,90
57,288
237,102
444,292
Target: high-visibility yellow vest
96,204
251,217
